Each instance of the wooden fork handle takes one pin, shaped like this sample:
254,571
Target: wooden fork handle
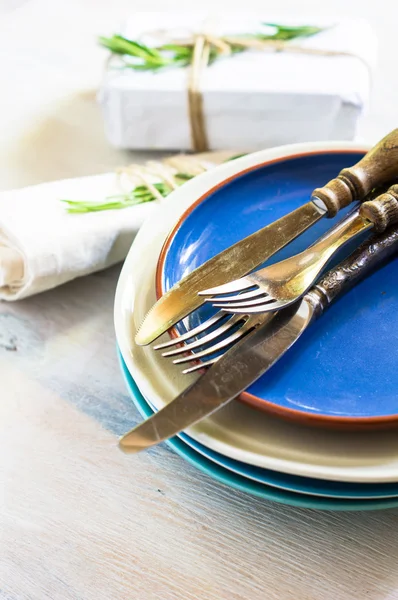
378,166
371,254
383,211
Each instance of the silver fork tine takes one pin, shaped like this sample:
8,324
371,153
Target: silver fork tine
219,346
200,365
271,306
245,296
233,286
192,332
263,301
238,301
207,338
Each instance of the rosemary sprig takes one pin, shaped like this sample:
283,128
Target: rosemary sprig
138,195
136,55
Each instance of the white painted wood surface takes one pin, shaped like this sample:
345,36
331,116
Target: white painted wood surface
79,520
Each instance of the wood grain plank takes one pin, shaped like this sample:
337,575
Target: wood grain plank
81,520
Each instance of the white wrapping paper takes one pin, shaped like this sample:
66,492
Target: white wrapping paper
252,100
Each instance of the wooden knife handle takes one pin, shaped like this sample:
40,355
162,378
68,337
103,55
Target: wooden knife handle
372,253
378,166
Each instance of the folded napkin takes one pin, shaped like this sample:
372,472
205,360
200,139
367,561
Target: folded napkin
42,245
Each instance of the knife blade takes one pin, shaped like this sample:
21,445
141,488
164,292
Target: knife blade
232,263
252,357
377,167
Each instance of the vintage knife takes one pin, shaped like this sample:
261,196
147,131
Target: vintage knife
245,362
352,184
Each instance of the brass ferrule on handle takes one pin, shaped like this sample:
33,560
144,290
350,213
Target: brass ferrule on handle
371,254
377,167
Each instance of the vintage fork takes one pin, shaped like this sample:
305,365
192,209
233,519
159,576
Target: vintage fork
235,324
212,343
282,283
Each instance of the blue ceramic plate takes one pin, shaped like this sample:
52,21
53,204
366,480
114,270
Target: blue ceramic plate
198,457
343,371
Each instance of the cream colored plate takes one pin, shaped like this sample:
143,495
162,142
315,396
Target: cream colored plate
237,430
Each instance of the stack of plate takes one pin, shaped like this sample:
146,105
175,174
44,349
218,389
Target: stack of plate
318,429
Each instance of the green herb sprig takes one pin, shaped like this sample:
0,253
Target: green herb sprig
138,195
136,55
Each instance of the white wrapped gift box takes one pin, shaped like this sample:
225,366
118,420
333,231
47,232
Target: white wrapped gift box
252,100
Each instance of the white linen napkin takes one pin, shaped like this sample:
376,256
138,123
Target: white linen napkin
43,246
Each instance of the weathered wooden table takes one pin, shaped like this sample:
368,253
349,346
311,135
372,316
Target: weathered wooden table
79,520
